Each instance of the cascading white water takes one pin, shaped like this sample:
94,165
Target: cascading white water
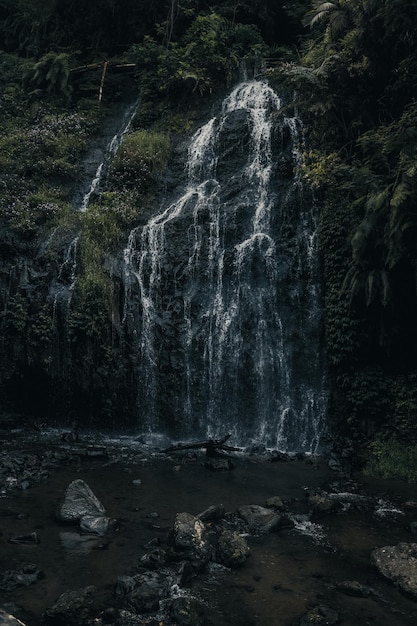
226,284
108,155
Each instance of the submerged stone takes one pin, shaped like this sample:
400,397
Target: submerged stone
320,616
93,525
274,502
354,588
29,539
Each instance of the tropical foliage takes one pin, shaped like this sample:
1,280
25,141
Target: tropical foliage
356,83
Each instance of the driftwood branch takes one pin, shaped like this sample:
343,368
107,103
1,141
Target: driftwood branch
211,445
103,76
94,66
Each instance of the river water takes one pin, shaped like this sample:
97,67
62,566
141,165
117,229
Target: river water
287,573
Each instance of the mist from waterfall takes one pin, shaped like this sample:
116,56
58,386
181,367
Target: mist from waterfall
222,287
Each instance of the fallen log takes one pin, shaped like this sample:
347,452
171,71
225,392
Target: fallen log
211,446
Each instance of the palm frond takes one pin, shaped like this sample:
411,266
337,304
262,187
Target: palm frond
318,13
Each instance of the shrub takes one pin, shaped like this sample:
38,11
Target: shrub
141,156
390,458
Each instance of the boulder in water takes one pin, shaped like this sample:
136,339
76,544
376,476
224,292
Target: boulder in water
319,616
78,502
399,564
154,559
232,549
259,519
189,538
274,502
150,588
93,525
187,611
13,579
213,513
73,608
321,505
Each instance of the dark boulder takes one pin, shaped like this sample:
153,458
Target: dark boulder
187,611
319,616
124,585
72,608
321,505
213,513
259,519
232,549
398,564
150,588
189,539
154,559
275,502
123,617
13,579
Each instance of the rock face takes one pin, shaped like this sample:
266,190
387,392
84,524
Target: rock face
399,564
78,502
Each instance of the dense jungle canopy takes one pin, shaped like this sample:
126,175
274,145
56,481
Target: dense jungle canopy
352,65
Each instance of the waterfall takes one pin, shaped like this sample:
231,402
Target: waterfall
222,287
107,156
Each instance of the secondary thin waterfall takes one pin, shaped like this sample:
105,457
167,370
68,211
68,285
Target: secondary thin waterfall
108,155
222,287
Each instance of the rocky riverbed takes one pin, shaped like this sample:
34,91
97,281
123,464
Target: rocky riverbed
101,530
